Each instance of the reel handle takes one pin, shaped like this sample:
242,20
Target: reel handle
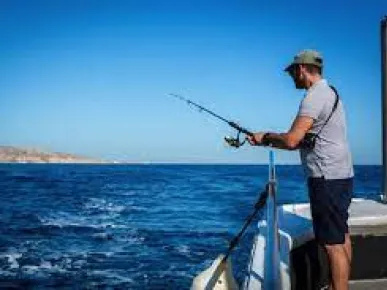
234,142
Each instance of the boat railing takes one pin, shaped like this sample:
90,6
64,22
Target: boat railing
264,266
272,277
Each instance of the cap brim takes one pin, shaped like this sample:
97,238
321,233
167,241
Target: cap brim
289,67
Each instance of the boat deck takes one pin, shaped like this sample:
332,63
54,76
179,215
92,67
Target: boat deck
377,284
368,228
367,217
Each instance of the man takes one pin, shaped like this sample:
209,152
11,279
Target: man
326,161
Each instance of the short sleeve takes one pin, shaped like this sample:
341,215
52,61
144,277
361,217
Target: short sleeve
311,106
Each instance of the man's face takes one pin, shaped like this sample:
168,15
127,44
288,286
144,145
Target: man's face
298,76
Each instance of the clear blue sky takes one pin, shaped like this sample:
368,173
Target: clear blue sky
93,77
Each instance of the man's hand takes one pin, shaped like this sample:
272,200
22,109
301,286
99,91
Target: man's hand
256,139
289,140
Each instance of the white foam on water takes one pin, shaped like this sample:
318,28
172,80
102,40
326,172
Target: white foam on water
12,259
102,236
98,213
45,267
117,278
4,273
138,208
64,219
127,192
31,269
78,264
130,237
183,249
101,204
136,240
109,225
103,254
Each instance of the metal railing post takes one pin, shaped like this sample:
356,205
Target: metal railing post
383,31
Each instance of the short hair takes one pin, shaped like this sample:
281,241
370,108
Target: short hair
313,69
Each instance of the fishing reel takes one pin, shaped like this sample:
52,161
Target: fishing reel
235,142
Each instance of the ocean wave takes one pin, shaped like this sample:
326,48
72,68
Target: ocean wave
6,273
65,220
12,258
100,204
103,236
113,275
183,249
130,239
45,267
135,208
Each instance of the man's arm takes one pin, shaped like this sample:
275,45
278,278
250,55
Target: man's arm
290,140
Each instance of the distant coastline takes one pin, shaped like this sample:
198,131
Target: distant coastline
10,154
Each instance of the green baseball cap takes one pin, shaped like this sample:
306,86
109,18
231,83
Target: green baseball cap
307,56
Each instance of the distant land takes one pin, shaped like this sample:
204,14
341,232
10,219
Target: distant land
10,154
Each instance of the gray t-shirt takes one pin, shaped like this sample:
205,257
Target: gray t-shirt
331,156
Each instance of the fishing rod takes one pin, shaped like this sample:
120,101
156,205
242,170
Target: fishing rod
234,142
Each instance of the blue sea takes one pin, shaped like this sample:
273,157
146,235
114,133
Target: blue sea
133,226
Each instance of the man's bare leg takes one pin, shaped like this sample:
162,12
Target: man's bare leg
348,251
340,260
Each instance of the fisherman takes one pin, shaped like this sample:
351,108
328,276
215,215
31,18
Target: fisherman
319,132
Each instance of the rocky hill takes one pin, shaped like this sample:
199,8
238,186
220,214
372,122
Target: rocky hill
22,155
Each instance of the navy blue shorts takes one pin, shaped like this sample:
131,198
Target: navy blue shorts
330,200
